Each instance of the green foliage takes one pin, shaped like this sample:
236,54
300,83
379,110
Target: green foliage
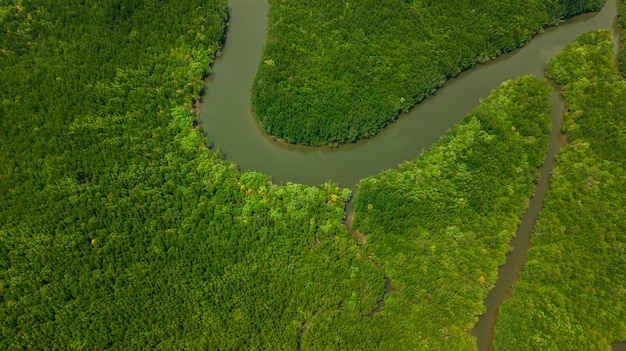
440,225
590,74
335,71
119,228
571,292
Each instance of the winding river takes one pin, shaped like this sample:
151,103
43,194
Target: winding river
227,119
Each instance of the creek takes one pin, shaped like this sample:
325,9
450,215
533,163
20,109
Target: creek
509,272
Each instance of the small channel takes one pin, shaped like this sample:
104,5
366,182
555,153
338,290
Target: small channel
509,272
381,303
361,240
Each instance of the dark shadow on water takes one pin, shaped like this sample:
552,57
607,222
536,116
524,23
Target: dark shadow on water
381,303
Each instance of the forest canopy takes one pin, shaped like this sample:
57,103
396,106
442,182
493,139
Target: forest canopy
335,72
121,229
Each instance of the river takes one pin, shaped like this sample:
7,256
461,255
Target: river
227,118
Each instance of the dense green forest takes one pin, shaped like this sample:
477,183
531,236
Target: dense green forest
440,225
335,71
572,290
119,228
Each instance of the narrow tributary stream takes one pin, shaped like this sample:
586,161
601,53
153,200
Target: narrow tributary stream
509,272
362,239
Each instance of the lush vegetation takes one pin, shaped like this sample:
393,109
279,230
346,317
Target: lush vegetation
571,292
119,228
335,71
440,225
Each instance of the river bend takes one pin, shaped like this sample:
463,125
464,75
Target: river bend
227,118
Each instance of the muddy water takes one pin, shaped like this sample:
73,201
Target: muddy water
227,119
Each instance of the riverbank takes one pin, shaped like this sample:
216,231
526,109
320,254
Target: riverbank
344,73
228,122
